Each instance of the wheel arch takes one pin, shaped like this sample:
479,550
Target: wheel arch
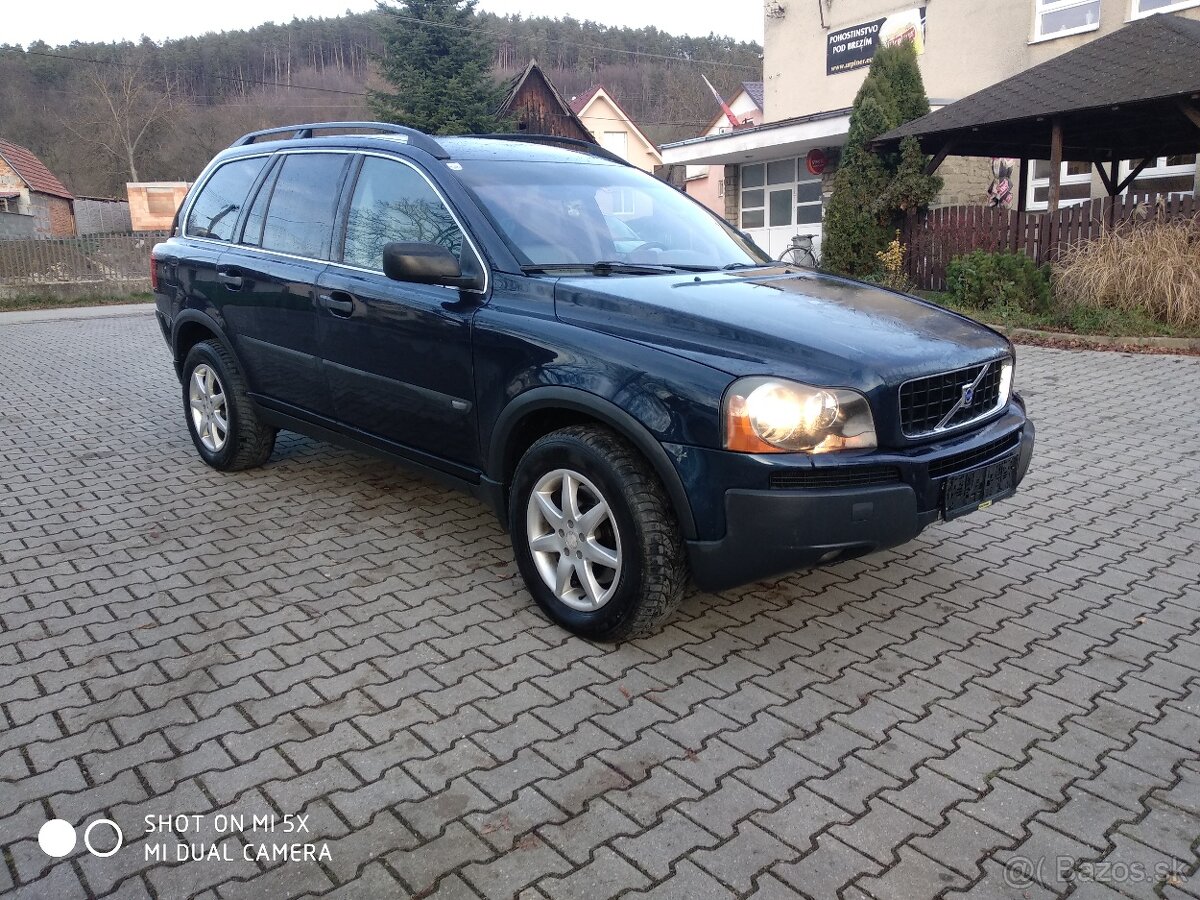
541,410
190,328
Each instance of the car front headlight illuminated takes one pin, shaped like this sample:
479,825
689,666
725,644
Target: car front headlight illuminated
774,415
1006,382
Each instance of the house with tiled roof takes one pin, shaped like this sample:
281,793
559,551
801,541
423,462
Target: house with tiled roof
33,202
614,129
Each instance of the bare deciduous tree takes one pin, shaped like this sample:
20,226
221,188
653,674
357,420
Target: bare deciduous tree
122,108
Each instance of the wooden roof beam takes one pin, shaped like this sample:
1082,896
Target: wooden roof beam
940,156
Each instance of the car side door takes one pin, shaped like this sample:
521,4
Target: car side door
208,229
398,354
271,275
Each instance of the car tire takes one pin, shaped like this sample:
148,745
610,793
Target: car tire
224,424
566,550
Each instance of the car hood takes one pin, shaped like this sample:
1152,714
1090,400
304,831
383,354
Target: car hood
808,326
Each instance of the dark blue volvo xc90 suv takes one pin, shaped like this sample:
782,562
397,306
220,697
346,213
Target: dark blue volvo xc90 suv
638,391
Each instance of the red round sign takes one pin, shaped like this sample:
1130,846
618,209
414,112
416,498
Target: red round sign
815,161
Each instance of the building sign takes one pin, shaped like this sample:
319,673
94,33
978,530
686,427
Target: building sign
815,161
853,47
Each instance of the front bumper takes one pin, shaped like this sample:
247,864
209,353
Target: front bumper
772,531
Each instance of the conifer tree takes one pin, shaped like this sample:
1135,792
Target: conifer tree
438,62
872,192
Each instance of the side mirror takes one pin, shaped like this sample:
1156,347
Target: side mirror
424,264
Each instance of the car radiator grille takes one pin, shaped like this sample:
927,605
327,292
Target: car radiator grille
851,476
926,402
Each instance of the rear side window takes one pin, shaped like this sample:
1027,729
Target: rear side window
216,209
300,215
392,202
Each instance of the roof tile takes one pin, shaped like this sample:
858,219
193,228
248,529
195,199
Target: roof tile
32,170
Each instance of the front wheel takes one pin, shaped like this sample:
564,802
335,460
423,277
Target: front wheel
594,535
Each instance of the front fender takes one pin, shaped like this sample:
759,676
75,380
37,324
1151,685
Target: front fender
576,400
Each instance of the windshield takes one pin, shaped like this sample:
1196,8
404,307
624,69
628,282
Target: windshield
582,213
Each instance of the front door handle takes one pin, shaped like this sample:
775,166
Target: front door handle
231,278
339,303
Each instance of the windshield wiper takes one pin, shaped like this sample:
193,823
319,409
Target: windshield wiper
733,266
603,267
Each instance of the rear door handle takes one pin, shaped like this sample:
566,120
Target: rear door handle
231,278
339,303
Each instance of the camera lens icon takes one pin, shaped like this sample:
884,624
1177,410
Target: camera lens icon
57,838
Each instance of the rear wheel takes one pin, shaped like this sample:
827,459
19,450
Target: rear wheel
224,424
594,535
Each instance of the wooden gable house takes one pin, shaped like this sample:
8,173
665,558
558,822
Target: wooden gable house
534,105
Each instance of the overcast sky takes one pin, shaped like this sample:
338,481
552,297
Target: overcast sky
59,22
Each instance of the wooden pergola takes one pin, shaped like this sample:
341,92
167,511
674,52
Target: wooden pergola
1130,95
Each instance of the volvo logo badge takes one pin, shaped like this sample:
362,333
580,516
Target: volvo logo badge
968,394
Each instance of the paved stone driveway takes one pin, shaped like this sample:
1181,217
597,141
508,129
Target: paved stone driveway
1008,707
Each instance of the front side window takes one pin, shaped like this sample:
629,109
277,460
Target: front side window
1058,18
215,210
300,214
392,202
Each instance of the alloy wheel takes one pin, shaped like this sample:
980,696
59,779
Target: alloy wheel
574,539
210,413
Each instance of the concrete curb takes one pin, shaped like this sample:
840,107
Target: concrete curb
74,313
1102,341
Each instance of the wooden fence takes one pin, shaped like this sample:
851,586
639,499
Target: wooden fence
110,263
934,238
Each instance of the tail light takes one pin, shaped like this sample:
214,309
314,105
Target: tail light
153,273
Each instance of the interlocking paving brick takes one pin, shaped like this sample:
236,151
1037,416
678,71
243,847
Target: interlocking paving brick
824,871
739,859
689,882
606,875
656,850
529,859
332,635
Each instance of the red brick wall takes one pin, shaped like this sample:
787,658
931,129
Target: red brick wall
62,217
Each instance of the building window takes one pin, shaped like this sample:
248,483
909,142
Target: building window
754,196
1142,8
1058,18
616,142
780,194
1075,184
1164,175
808,200
624,202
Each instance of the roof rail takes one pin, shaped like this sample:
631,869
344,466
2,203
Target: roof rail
411,136
573,143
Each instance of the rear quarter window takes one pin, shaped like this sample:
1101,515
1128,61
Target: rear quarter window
215,211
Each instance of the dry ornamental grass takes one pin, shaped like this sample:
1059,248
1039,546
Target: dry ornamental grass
1153,267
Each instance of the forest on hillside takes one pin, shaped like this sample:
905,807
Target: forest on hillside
100,115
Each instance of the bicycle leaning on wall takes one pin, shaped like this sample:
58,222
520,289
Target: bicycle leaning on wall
801,252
